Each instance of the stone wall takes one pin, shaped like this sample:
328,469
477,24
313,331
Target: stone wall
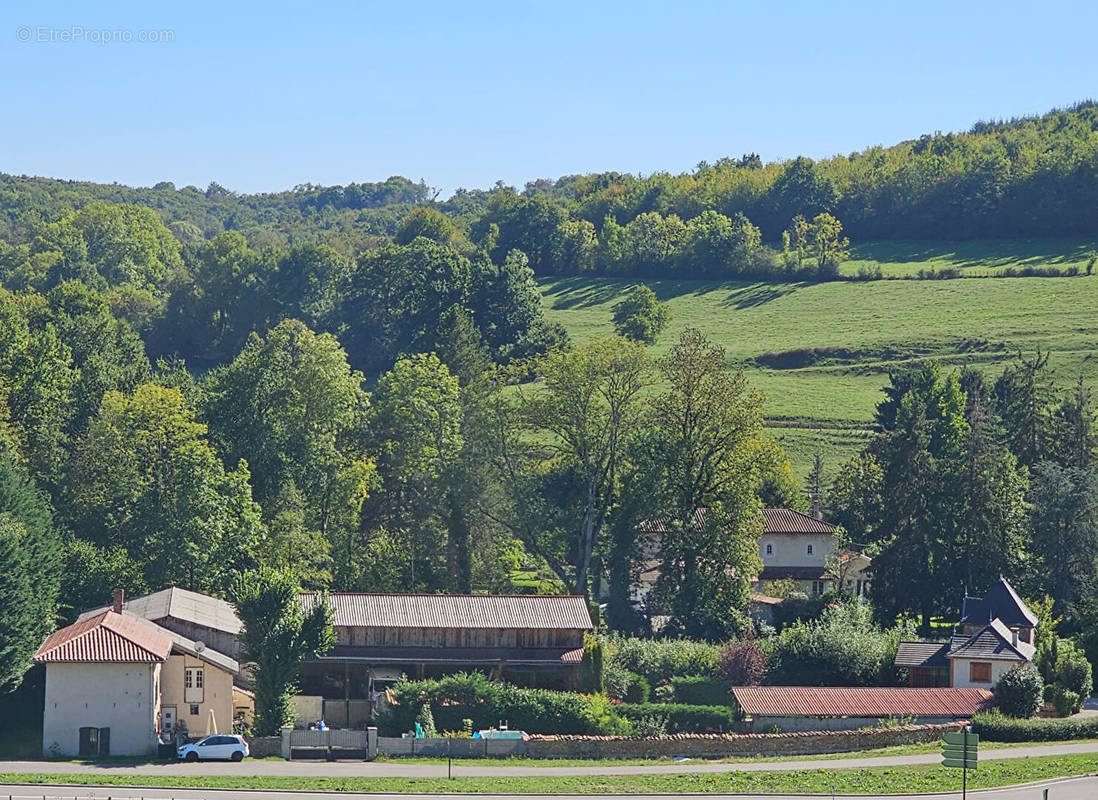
717,745
458,748
265,746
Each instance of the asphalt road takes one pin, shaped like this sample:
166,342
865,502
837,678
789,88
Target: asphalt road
1065,789
469,768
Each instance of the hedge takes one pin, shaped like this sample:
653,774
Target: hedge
487,703
660,659
996,727
684,718
701,691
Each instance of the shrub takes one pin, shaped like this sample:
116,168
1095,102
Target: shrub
842,648
473,696
638,690
742,663
426,721
1066,702
699,691
650,727
1073,672
1020,692
684,718
996,727
616,679
640,315
657,659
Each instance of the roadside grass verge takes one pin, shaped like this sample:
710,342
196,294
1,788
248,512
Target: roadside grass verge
874,781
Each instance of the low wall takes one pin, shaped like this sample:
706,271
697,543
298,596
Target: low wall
458,748
716,745
264,746
761,723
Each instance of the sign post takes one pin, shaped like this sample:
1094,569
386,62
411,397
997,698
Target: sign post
961,750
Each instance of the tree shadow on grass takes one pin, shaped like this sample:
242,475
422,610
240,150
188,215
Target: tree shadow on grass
757,294
573,293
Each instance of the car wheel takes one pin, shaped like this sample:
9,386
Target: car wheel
191,756
237,756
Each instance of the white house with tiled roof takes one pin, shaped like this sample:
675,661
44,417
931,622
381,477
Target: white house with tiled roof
103,687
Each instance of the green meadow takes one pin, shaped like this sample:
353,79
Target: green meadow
822,351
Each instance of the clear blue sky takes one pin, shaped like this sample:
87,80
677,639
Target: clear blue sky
263,96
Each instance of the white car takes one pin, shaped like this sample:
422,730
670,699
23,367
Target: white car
218,746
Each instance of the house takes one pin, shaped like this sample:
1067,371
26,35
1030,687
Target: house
793,546
103,687
997,632
199,691
816,708
801,547
528,640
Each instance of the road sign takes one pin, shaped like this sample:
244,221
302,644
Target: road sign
973,739
961,750
960,763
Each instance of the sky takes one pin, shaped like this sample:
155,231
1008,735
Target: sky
266,96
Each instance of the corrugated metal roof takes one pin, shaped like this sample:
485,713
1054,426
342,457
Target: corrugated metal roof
994,642
786,520
468,656
841,701
181,604
922,654
524,612
108,637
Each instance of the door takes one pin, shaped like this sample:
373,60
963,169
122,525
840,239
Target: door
167,719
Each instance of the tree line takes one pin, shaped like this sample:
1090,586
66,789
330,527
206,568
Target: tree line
970,478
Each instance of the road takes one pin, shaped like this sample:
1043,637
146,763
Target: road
1064,789
469,769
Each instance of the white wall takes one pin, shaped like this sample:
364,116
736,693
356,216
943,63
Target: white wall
791,550
961,672
122,697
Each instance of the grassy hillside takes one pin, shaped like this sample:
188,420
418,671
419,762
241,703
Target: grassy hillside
822,352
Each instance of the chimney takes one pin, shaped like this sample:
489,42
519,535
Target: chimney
119,596
1014,636
817,511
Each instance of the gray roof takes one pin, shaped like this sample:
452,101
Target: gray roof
525,612
993,642
922,654
181,604
1000,602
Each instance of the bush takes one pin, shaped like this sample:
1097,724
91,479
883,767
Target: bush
473,696
616,680
659,659
684,718
742,663
638,690
996,727
650,727
426,721
1020,692
699,691
1073,672
1066,702
842,648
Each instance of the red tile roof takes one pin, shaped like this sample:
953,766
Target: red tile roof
775,520
786,520
107,637
842,701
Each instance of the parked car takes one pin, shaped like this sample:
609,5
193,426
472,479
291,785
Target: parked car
218,746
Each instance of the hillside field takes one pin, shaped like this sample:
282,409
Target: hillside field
824,400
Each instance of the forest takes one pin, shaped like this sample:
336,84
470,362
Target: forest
358,385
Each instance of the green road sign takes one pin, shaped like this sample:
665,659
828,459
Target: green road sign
957,751
959,738
959,763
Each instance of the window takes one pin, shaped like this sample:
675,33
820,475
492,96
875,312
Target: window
819,587
809,551
194,681
770,549
194,710
979,672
